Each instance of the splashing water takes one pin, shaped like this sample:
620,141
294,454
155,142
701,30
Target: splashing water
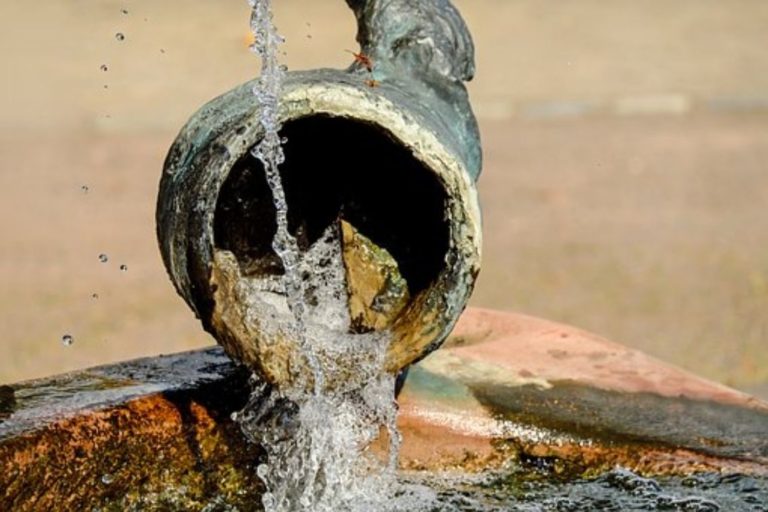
317,432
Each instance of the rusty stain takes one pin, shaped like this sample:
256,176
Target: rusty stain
363,59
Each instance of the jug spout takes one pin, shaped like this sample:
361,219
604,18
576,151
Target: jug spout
386,153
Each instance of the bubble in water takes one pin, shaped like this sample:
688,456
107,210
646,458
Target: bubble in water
104,67
124,267
67,340
120,36
107,479
103,258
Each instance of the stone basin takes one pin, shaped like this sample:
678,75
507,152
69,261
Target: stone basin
156,433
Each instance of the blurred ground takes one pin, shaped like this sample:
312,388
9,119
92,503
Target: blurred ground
624,187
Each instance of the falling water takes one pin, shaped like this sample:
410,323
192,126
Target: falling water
270,152
317,434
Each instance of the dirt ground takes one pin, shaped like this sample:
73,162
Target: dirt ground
648,229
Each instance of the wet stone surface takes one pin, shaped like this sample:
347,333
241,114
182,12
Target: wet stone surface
149,434
157,434
721,430
617,490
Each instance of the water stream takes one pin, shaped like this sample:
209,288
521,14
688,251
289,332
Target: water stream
270,152
317,431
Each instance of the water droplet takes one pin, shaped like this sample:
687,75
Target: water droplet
67,340
107,479
120,36
123,267
104,67
103,258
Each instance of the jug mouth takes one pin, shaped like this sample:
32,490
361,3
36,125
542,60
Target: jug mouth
373,158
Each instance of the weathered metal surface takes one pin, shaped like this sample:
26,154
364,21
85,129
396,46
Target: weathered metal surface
505,388
411,110
425,45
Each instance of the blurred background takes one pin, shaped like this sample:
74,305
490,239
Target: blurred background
624,190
